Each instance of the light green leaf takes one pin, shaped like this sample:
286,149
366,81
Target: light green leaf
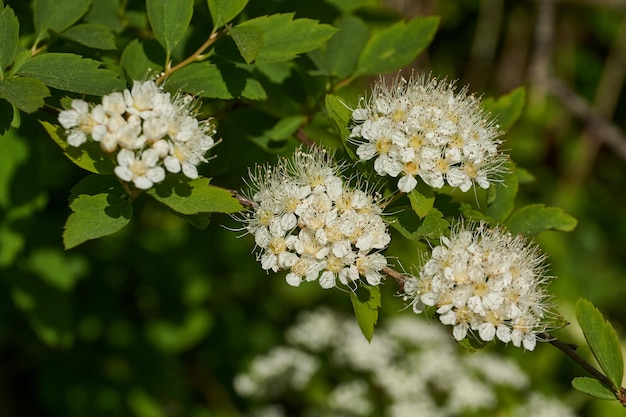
338,57
100,208
178,337
187,196
9,36
602,340
422,200
25,93
223,11
501,195
285,38
249,41
412,227
507,108
70,72
341,115
397,46
11,244
535,218
286,127
93,35
137,60
593,387
57,15
223,81
88,156
169,20
57,268
366,302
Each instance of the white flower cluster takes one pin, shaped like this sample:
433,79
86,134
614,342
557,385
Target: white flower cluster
151,131
308,221
410,368
421,127
484,280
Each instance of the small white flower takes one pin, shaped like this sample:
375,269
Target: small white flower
142,171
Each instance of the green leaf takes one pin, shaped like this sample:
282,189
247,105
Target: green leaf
11,244
57,15
501,195
9,37
507,108
93,35
25,93
249,41
422,200
6,115
70,72
187,196
223,81
593,387
341,116
169,20
602,340
286,127
347,6
339,56
100,208
223,11
139,60
366,302
285,38
397,46
178,337
414,228
58,269
88,156
535,218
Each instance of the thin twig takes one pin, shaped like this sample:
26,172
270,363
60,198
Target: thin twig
540,62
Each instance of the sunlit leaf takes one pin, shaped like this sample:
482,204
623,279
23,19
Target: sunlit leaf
593,387
535,218
223,11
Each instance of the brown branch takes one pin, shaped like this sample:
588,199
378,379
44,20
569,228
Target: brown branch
599,128
540,62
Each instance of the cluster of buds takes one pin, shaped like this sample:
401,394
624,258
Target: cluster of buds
149,131
309,221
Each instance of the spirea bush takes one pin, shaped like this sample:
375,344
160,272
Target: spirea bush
297,128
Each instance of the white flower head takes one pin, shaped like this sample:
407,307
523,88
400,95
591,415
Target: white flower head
487,282
151,131
423,127
311,222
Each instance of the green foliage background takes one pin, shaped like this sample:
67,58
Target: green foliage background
156,319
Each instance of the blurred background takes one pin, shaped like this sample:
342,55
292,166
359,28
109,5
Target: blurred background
158,319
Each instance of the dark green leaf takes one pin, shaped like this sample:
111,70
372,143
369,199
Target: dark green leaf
187,196
25,93
9,36
366,302
249,41
107,13
422,200
89,156
602,340
223,11
169,20
397,46
57,15
140,60
347,6
338,57
57,268
100,208
223,81
6,116
70,72
256,126
412,227
501,195
11,244
507,108
593,387
535,218
93,35
285,38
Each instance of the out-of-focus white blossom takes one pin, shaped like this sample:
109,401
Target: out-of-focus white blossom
151,132
424,128
485,281
310,222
